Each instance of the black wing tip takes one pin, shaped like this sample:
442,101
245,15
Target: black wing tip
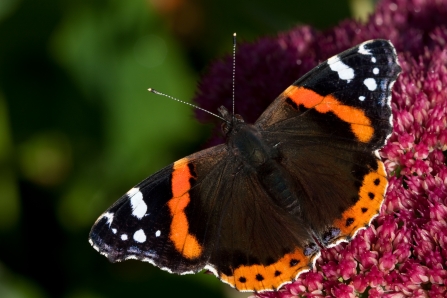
100,247
97,242
375,44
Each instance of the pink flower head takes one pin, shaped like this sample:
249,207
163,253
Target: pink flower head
404,252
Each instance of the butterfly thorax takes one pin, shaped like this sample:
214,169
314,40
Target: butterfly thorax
245,141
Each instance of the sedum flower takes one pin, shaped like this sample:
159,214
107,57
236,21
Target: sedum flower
404,252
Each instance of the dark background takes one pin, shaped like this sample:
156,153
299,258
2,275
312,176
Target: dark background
78,127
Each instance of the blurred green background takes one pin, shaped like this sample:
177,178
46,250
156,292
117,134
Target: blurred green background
78,127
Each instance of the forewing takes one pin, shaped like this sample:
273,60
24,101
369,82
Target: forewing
150,222
346,97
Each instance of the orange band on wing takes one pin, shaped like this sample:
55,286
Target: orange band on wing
184,242
360,123
371,196
260,277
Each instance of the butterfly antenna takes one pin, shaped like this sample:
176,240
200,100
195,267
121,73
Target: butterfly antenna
190,104
234,66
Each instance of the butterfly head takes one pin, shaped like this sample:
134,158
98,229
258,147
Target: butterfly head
229,120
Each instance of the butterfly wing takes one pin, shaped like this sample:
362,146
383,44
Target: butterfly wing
256,245
209,211
151,221
328,127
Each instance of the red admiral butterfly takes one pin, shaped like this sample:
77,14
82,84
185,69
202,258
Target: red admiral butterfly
256,210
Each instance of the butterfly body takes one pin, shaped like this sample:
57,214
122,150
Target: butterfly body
259,157
257,210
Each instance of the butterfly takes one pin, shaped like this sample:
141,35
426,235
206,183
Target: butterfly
257,210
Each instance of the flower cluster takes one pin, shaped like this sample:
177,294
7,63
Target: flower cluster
404,252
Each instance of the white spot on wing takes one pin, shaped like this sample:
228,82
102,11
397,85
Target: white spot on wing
132,191
370,83
124,237
375,70
139,207
344,71
362,98
363,50
109,217
114,231
158,233
139,236
346,74
373,59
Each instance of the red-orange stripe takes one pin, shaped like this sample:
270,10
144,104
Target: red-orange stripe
184,242
285,270
360,123
374,184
